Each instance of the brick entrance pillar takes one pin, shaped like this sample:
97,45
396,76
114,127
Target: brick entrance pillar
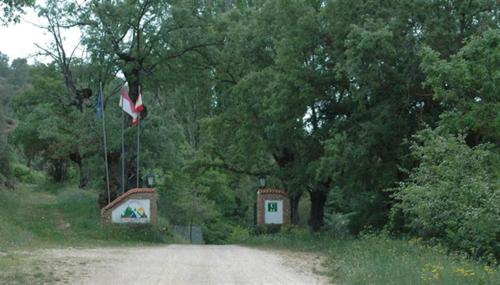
273,207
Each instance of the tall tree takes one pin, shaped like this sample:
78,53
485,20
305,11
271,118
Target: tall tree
379,52
272,86
139,37
47,124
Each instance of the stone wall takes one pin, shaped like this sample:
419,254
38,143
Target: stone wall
272,194
138,194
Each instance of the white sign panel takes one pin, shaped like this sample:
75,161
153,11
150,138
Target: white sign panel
133,211
273,212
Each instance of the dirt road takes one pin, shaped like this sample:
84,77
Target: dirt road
184,264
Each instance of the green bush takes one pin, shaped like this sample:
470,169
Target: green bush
337,224
453,196
217,232
239,235
25,175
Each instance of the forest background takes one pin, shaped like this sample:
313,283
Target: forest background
371,114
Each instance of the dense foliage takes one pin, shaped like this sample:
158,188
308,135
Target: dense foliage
338,102
453,194
14,78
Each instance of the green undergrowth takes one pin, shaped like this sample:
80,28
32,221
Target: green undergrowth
378,259
58,215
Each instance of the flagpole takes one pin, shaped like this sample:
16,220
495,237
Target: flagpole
105,141
123,150
138,138
138,148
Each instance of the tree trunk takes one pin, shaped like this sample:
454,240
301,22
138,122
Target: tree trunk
114,162
318,199
115,176
133,77
294,208
77,158
83,175
58,171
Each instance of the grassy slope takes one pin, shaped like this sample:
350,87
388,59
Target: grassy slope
380,260
54,216
31,217
49,216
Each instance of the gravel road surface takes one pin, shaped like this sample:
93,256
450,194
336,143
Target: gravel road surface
184,264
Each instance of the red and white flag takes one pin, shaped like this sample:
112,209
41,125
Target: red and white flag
138,104
128,106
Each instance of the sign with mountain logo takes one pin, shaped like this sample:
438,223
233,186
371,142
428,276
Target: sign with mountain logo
132,211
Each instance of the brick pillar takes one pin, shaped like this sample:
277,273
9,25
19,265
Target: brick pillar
272,194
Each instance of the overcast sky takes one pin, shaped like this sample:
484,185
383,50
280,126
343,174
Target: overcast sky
18,40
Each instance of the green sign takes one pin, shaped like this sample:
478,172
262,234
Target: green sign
272,207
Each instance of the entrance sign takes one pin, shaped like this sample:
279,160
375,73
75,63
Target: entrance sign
134,207
274,212
273,207
132,211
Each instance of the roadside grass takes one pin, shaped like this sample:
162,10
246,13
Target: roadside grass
59,215
21,268
380,260
52,216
